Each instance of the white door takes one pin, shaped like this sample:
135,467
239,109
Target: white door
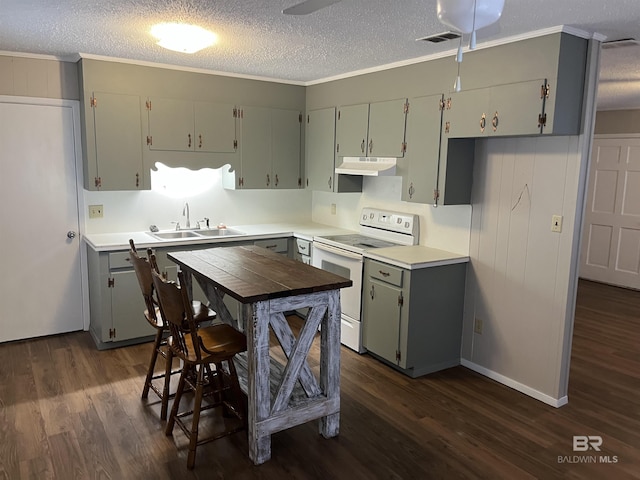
611,235
40,289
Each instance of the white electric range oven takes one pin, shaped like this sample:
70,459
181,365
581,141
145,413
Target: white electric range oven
343,255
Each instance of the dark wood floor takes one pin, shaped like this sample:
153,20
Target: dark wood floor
69,411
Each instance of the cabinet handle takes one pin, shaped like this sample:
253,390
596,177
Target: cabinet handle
268,180
411,190
483,122
372,293
384,274
199,141
495,121
362,146
189,142
371,146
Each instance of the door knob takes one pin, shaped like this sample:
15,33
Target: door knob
71,234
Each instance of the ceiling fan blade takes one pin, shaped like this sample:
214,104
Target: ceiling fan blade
308,6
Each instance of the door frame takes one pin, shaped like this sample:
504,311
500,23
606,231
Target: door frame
74,105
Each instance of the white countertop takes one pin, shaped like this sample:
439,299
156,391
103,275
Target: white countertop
120,241
415,257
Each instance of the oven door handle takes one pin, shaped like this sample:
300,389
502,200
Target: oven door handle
337,251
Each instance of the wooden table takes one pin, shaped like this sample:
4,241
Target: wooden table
267,285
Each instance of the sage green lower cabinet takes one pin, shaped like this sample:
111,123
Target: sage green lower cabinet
115,300
412,319
419,167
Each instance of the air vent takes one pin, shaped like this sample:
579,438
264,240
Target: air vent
624,42
440,37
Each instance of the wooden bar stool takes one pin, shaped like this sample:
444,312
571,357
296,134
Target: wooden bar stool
203,352
152,314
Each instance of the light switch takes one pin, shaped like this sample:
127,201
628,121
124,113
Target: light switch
556,223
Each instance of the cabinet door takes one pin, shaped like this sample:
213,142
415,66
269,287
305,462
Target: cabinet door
215,127
351,133
118,137
381,319
127,307
419,168
466,112
171,124
320,145
255,147
285,148
514,109
386,128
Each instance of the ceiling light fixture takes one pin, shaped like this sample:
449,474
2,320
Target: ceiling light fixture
467,16
182,37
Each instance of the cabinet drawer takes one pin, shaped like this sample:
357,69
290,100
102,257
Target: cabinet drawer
303,246
279,245
386,273
119,260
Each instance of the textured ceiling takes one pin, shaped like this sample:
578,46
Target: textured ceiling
255,39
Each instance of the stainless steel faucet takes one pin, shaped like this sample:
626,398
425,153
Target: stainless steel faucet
185,211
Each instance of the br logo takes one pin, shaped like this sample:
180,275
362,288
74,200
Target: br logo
583,443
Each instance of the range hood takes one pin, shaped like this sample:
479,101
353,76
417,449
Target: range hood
367,166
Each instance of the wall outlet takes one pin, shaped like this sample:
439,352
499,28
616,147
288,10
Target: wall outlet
477,326
556,223
95,211
333,209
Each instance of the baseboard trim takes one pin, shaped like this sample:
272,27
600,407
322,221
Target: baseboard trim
520,387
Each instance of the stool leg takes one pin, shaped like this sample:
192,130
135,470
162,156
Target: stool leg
152,364
176,400
167,384
197,403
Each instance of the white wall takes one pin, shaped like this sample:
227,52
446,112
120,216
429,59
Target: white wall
126,211
444,227
520,278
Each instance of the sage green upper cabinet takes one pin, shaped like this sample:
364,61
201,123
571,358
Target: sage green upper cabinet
286,128
320,152
269,149
191,126
320,139
375,129
503,110
419,167
113,143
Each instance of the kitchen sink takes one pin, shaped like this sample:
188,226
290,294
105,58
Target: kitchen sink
175,234
219,232
206,233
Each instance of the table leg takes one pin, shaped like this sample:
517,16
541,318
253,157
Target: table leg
256,319
329,425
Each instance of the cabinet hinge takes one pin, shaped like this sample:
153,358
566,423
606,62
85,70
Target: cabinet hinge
235,144
98,182
436,195
299,182
111,282
338,114
148,104
400,300
403,148
300,118
542,120
406,107
137,179
93,102
447,127
307,118
241,113
112,333
149,139
441,105
240,181
448,104
235,112
398,356
545,90
337,148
